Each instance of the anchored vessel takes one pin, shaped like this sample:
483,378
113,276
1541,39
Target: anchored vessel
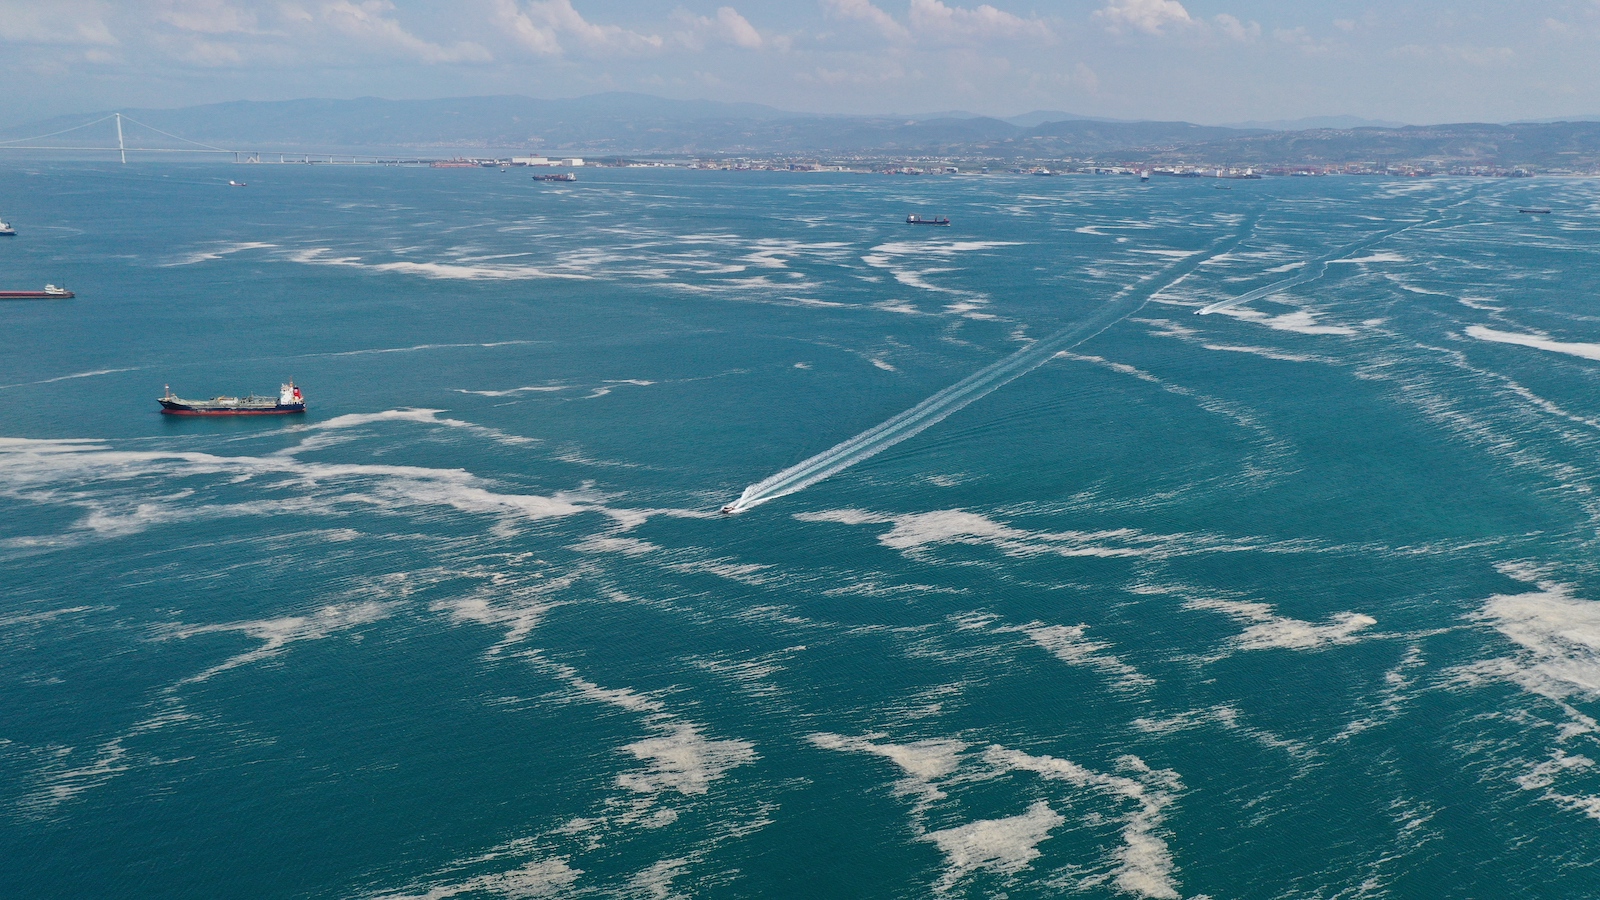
559,176
289,400
50,292
936,220
1534,211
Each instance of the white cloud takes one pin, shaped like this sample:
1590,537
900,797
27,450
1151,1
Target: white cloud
933,18
541,26
366,21
1472,55
727,27
522,29
26,22
1149,16
1237,30
864,11
936,21
206,16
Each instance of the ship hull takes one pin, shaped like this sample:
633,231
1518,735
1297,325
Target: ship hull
171,408
36,295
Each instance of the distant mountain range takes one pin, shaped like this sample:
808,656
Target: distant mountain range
1313,122
623,124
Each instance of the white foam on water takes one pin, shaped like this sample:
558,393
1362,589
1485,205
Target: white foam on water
278,633
1313,270
1397,684
1382,257
753,675
1266,630
683,760
58,783
1302,321
612,384
1287,267
116,488
414,348
1144,861
1538,341
625,698
94,373
319,256
924,763
217,251
1268,352
655,883
512,392
409,414
1171,254
1543,777
517,607
731,569
1226,717
1557,638
1006,846
914,534
38,618
627,546
935,409
536,878
1069,644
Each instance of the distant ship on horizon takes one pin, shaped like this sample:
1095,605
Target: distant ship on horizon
289,400
936,220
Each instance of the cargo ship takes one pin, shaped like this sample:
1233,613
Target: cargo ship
50,292
560,176
1534,211
289,400
936,220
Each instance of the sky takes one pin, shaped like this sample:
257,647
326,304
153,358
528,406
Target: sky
1207,61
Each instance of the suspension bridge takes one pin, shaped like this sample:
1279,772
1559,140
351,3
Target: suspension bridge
124,147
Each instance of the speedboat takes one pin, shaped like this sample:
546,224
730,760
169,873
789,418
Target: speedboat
729,510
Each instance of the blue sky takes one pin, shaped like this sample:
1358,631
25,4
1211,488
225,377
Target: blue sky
1207,61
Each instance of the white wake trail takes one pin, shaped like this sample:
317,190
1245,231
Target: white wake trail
1315,270
940,406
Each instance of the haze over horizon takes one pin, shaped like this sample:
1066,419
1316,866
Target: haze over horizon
1205,61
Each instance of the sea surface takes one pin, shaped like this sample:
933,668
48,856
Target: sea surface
1296,599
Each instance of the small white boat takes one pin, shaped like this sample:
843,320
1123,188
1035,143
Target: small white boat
6,230
232,183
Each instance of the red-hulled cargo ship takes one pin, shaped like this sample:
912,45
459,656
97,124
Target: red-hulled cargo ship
50,292
289,400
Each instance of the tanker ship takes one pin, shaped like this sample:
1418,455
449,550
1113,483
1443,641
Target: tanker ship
289,400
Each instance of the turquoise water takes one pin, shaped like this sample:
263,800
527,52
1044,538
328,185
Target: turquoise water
1294,599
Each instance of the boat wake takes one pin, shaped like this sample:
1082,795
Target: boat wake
1312,272
980,384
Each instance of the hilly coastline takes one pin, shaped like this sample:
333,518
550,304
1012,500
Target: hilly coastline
642,126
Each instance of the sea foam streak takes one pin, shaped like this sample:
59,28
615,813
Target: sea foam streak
974,387
1309,273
